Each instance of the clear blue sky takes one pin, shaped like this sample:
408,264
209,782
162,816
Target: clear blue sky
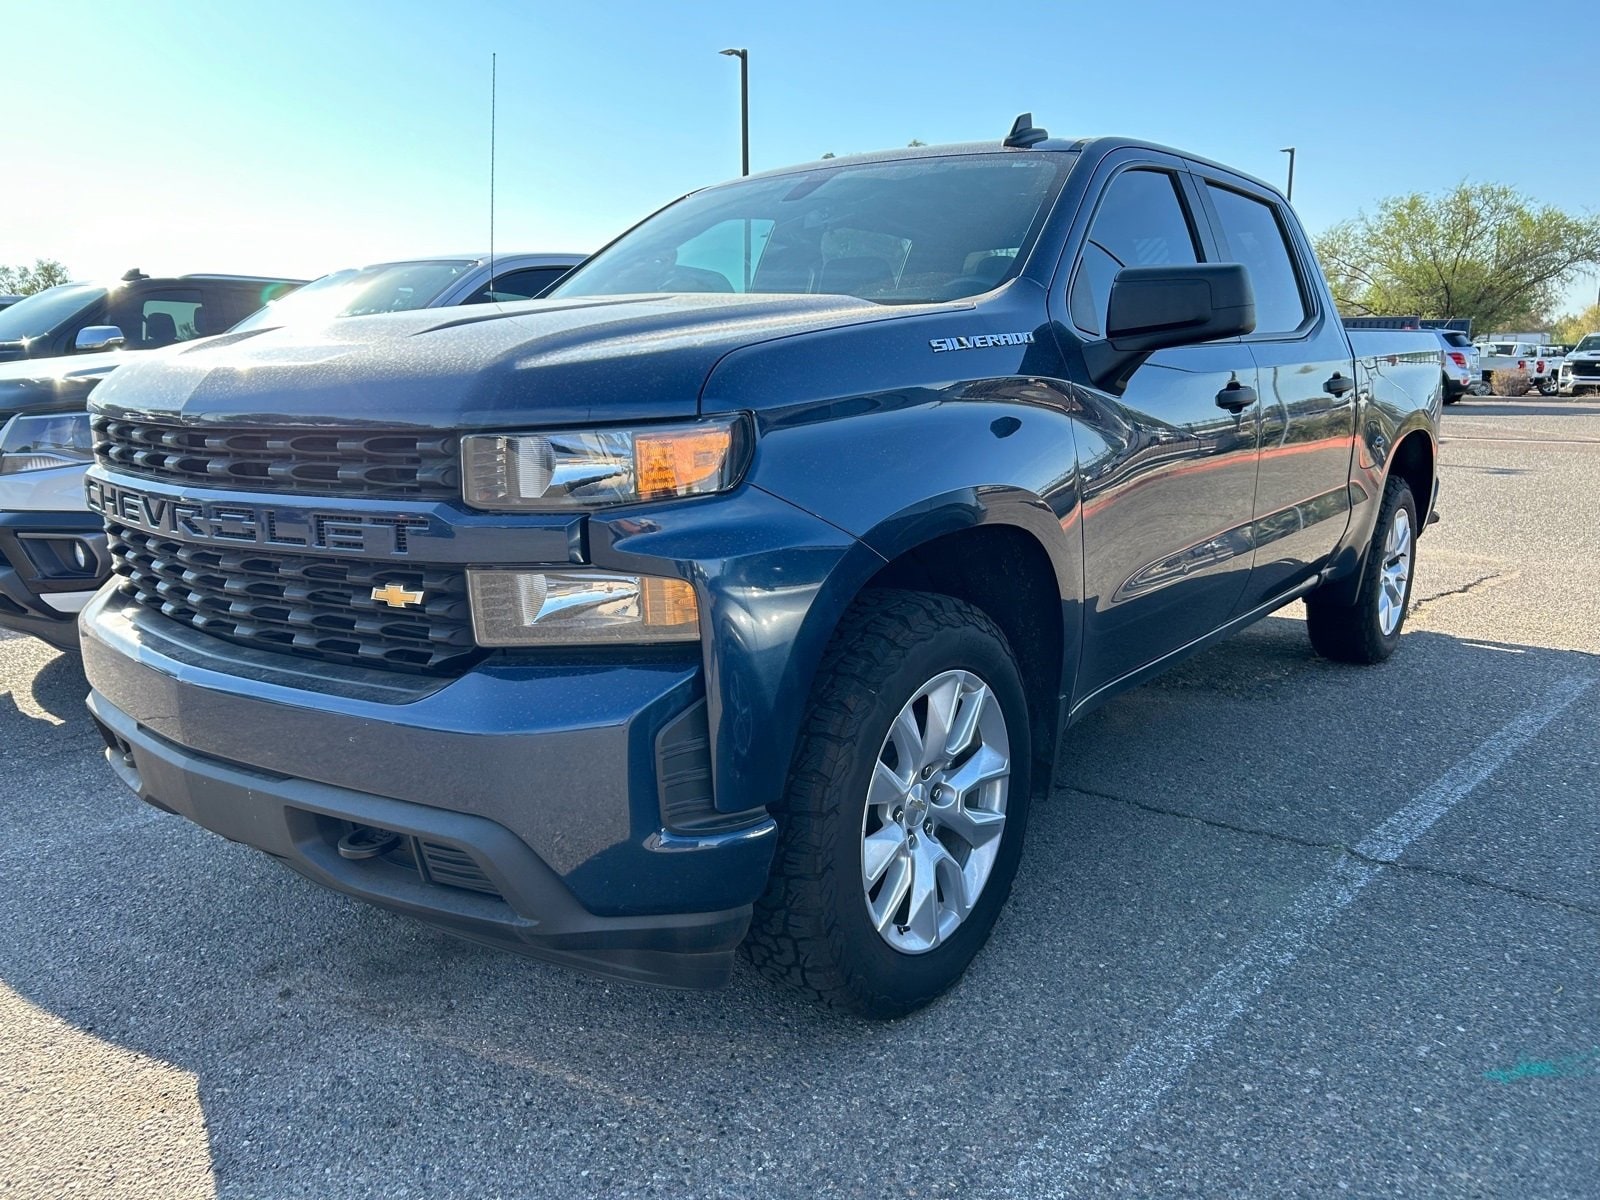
298,137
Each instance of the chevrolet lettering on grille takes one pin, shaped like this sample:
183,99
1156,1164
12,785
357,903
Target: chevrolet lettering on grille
232,524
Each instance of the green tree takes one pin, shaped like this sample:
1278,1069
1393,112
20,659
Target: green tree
1573,326
25,281
1479,250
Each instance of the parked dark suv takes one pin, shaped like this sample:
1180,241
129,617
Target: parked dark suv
137,313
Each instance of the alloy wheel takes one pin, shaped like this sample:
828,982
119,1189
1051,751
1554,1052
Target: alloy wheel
936,810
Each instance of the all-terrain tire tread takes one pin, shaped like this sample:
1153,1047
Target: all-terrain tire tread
1349,632
791,939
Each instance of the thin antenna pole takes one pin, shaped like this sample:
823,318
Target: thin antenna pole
493,93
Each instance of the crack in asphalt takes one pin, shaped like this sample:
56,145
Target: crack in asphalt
1464,877
1493,578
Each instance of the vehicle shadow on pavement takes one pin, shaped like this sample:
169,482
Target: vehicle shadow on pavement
332,1045
51,707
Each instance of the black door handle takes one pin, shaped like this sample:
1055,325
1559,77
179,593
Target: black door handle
1338,385
1236,397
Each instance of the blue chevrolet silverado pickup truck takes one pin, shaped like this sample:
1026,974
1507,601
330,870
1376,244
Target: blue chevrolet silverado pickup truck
738,593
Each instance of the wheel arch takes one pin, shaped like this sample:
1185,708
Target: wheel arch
1015,565
1415,460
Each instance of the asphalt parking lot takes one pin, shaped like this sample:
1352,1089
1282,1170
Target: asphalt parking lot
1286,928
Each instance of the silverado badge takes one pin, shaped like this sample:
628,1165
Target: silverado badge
396,595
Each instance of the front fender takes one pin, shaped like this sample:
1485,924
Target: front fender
772,581
775,572
913,466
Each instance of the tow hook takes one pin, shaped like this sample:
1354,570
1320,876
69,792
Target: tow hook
364,841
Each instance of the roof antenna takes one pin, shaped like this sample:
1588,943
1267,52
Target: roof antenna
1024,133
493,93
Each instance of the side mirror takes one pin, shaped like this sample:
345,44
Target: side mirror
1154,308
98,337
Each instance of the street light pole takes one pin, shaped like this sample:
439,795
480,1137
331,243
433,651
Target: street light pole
1289,150
744,105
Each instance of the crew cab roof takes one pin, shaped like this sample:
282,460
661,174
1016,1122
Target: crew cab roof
234,278
1093,146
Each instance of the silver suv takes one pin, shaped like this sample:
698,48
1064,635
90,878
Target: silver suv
1460,364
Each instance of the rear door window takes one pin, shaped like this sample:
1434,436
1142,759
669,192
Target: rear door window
1254,235
150,320
1141,222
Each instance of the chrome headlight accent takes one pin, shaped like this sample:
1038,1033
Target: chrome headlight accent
575,608
37,442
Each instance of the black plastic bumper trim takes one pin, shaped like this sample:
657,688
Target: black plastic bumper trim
23,582
300,822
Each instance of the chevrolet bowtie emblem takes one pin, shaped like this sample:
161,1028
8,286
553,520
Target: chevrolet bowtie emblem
396,595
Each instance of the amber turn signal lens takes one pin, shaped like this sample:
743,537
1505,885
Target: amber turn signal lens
669,604
676,462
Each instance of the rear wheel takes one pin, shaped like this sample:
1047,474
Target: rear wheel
1548,387
1368,630
901,829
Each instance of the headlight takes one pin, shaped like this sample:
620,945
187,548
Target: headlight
34,443
595,467
569,608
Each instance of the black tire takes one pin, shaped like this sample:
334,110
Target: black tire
1353,633
811,929
1548,387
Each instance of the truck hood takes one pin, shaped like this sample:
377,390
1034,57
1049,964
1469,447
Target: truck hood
612,358
53,384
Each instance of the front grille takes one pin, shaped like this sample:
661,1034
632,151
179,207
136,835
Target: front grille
349,462
1589,370
318,607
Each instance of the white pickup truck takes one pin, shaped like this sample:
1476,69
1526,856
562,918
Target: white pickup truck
1528,357
1580,370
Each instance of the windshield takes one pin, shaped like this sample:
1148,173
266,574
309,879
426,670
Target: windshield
352,292
1588,342
896,233
36,315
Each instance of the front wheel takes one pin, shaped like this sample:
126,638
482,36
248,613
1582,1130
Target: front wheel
901,829
1368,630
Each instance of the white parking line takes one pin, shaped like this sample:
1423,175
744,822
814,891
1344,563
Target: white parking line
1064,1161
